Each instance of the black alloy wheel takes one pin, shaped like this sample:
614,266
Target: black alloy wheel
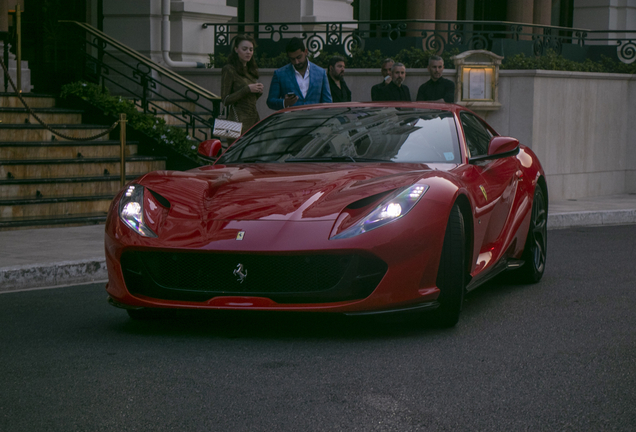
451,276
535,250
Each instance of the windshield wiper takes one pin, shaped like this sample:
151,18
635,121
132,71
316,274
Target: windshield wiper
251,160
335,159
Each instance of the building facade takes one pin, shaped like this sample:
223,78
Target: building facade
138,23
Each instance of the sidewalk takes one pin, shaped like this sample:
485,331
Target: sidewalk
51,257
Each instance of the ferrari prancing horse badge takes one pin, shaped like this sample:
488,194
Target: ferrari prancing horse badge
240,272
483,190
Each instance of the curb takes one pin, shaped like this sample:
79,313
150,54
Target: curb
591,218
49,275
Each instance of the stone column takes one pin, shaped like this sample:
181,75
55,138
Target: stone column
137,24
421,10
445,10
542,14
609,15
606,15
521,11
189,41
603,15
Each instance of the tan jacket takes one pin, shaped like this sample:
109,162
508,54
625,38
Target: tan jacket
235,92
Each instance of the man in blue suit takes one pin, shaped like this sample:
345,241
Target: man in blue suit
301,82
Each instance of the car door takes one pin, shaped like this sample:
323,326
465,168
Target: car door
497,185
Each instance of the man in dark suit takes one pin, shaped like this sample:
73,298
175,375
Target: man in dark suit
339,90
385,70
438,88
396,90
301,82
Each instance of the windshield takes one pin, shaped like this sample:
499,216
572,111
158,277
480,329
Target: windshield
359,134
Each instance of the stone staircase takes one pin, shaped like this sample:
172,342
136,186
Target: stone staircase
47,181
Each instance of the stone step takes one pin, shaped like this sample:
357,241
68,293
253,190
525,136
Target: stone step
63,149
52,168
36,132
64,186
56,206
19,116
52,221
33,100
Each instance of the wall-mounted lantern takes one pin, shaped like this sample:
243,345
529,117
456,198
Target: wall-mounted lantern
477,79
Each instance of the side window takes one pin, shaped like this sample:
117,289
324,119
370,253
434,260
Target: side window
477,136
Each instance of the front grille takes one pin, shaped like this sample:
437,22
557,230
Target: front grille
198,276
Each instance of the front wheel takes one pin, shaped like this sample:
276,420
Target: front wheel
451,276
535,250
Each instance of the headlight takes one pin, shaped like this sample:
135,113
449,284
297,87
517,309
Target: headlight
391,209
131,210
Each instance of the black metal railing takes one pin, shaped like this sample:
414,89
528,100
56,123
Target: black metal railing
154,88
503,38
624,45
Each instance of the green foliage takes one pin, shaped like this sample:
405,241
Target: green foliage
360,59
147,123
417,58
553,61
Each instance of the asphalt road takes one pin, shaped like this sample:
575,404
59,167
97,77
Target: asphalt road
559,355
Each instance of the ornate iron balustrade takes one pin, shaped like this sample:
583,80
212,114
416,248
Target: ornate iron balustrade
625,46
500,37
154,88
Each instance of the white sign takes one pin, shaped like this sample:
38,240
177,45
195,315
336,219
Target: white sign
477,84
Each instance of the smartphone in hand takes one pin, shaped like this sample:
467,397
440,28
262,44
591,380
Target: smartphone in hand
287,102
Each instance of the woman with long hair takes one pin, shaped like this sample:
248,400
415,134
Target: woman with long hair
239,82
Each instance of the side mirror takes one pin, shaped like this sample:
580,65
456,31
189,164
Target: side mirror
210,149
498,148
499,145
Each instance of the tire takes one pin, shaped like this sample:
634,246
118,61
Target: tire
535,249
451,276
149,314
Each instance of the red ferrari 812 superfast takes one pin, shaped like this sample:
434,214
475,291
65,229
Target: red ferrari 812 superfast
356,208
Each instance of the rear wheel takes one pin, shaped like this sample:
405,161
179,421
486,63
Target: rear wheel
535,250
451,276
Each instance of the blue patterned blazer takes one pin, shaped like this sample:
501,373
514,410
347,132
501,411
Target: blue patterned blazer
284,81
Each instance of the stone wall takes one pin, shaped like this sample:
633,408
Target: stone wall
581,125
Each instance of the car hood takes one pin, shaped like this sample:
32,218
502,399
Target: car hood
302,191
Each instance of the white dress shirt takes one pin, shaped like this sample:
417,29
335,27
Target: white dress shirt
303,81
